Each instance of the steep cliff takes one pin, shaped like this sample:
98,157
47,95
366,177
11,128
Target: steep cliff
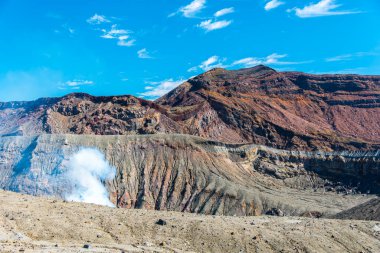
191,174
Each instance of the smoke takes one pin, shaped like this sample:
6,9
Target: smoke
87,169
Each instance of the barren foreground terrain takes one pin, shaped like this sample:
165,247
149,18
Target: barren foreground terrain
32,224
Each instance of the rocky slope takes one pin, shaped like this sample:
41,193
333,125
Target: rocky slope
81,113
190,174
367,211
287,110
29,224
280,109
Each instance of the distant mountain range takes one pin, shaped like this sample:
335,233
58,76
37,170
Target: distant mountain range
287,110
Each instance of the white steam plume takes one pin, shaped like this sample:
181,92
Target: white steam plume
86,171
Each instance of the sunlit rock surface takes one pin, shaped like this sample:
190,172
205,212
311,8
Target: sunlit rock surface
191,174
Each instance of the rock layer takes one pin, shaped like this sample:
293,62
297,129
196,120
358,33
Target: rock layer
191,174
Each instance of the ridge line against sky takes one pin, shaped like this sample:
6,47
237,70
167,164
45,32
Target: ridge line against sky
147,49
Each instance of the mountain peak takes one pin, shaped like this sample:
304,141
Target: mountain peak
256,69
77,95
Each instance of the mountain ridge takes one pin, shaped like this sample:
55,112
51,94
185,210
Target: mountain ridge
289,110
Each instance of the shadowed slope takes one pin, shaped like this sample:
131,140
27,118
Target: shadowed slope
367,211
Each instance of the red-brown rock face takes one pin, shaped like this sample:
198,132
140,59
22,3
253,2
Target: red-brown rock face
85,114
259,105
286,110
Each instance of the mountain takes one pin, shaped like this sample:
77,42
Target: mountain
287,110
80,113
243,142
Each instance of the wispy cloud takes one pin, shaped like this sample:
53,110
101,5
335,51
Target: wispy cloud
349,57
115,33
247,62
359,71
218,62
121,35
224,11
210,25
125,43
190,10
273,4
97,19
272,59
65,29
75,84
212,62
320,9
144,54
157,89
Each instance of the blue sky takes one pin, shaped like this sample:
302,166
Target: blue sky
146,48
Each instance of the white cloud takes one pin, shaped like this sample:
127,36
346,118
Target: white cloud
248,62
348,57
78,82
107,36
193,69
97,20
272,59
157,89
114,32
144,54
210,25
345,57
322,8
193,8
273,4
126,43
224,11
75,84
210,63
121,35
